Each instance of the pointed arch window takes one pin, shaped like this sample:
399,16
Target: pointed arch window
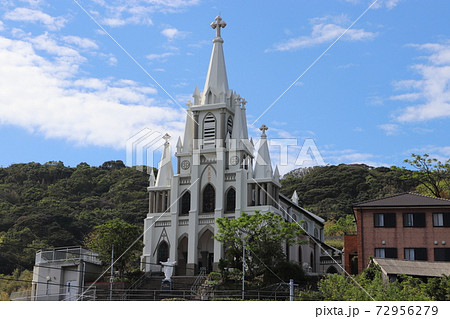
230,125
230,200
209,199
185,206
209,130
163,252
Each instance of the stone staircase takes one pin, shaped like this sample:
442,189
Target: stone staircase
149,288
178,282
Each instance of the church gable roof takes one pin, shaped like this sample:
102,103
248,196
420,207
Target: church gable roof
405,199
289,201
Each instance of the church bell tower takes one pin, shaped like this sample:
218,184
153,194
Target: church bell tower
214,176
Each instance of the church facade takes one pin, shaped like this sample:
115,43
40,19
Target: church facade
217,175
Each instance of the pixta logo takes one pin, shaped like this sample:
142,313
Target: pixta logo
141,149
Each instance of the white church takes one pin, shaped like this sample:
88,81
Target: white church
217,175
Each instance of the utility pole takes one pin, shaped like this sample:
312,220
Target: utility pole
111,278
243,269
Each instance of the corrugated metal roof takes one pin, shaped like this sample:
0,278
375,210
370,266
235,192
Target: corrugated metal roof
413,267
405,199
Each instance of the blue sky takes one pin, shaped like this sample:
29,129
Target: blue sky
69,92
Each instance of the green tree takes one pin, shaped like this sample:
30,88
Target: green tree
369,286
343,226
263,236
17,281
330,191
431,173
124,237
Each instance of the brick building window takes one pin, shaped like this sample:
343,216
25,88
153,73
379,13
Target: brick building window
441,219
414,220
386,252
384,220
442,254
416,254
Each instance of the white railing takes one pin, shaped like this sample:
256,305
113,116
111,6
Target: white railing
66,254
27,295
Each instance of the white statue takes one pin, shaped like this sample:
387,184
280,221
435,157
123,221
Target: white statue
168,268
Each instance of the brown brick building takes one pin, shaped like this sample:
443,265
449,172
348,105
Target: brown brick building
406,226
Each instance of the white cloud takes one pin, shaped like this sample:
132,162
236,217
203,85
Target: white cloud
323,33
441,153
350,156
390,129
374,100
431,91
117,13
346,66
42,96
36,16
161,56
389,4
173,33
83,43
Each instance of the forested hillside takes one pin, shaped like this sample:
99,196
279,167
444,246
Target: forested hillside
330,191
52,205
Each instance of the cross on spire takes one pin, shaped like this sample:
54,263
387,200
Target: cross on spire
263,128
217,24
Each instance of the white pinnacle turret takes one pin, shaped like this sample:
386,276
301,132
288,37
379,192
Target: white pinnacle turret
165,168
196,96
188,130
294,197
276,175
179,145
263,166
151,179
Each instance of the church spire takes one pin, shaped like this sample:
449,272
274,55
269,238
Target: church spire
188,130
240,120
165,168
151,179
216,84
263,166
294,197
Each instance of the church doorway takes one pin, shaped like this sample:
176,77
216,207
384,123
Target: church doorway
206,247
163,252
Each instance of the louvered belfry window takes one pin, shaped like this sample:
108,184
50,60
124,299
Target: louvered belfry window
209,130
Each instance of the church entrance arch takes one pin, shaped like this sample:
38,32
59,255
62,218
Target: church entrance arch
206,250
163,252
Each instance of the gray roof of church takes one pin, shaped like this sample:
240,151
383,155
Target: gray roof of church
306,212
405,199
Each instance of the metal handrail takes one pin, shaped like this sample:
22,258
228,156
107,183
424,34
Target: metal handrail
198,281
